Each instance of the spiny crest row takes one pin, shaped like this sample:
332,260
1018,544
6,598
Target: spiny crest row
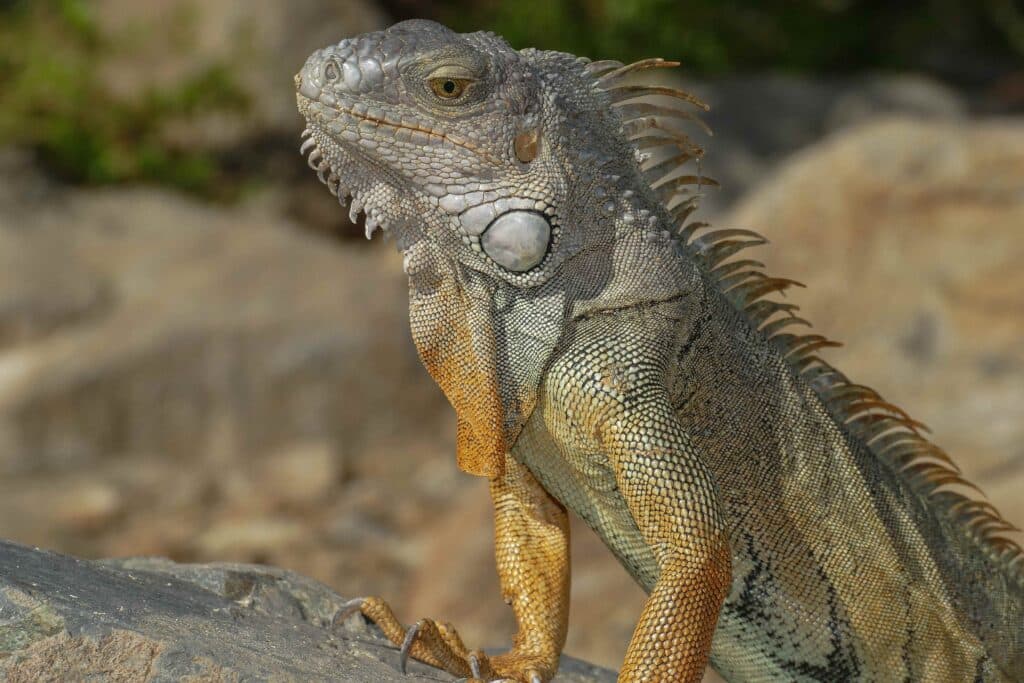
656,130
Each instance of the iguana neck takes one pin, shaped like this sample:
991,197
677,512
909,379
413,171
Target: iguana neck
643,265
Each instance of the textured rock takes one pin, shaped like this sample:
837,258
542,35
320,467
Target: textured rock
148,619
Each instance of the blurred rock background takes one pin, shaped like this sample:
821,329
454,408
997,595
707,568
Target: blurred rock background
199,360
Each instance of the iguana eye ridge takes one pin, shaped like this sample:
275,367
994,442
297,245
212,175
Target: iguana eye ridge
517,240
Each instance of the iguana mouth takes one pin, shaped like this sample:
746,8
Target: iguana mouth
330,176
381,121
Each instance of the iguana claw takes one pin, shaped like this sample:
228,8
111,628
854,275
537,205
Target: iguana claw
410,637
439,645
346,610
474,664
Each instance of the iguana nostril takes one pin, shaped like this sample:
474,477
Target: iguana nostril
331,71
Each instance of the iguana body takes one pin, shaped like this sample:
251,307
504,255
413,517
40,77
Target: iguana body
604,355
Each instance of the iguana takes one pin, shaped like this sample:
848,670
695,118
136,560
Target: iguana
606,354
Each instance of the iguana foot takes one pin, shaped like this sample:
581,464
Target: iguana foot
438,644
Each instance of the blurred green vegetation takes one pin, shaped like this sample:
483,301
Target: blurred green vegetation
56,99
53,100
962,40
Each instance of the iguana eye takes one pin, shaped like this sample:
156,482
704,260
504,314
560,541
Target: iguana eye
447,87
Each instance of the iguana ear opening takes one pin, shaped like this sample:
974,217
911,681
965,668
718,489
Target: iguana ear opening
452,327
527,145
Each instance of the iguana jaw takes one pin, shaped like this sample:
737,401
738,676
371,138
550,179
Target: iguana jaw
340,166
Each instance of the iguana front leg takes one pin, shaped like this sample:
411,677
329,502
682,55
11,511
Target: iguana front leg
608,407
672,498
532,552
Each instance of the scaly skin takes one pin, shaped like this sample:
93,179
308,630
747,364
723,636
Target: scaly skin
604,355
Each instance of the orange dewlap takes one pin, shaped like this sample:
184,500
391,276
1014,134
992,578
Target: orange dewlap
460,357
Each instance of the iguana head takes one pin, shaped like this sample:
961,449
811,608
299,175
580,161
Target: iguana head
454,137
493,169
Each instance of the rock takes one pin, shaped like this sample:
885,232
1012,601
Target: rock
760,120
87,505
225,331
908,237
256,537
904,95
62,618
43,286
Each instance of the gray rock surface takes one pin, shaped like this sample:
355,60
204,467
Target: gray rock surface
63,618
